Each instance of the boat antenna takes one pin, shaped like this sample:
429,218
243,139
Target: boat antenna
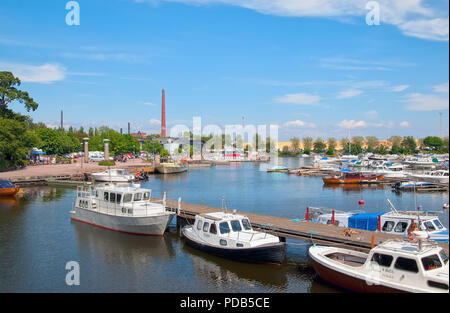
392,206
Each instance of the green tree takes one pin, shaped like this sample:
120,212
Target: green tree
445,145
9,93
295,144
372,143
433,142
307,143
358,140
319,145
13,143
409,144
395,140
345,144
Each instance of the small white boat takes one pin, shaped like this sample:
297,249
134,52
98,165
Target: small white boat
113,175
393,266
124,209
171,168
437,177
231,236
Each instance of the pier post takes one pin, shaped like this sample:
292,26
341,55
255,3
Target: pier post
373,241
307,214
379,223
179,206
164,199
332,217
106,149
86,150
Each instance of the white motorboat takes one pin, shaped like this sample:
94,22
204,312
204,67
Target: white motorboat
393,266
437,177
113,175
422,162
171,168
231,236
124,209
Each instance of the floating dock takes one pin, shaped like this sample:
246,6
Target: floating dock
292,228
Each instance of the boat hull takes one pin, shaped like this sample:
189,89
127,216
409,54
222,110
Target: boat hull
8,192
362,180
348,282
267,254
146,225
107,178
171,170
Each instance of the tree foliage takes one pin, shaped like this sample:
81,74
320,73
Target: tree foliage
9,93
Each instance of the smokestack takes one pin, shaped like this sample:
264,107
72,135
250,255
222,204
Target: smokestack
129,128
163,115
121,131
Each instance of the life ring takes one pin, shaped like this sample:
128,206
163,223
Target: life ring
138,174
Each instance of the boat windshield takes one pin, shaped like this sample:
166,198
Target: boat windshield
429,226
431,262
235,225
146,196
246,224
127,198
224,228
444,256
438,224
138,196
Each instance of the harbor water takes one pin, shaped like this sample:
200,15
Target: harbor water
38,239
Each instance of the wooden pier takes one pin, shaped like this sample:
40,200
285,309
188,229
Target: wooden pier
287,228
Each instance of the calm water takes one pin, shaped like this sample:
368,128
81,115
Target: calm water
37,238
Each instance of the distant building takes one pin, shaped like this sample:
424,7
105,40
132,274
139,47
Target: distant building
139,134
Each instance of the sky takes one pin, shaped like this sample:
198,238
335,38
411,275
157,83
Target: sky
314,68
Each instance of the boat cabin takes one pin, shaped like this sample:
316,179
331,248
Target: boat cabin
229,230
117,200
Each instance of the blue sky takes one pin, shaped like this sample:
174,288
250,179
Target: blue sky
315,68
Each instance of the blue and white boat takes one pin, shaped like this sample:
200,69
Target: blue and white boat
393,222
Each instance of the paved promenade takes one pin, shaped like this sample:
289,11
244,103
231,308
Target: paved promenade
66,169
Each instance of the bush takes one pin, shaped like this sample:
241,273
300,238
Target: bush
107,163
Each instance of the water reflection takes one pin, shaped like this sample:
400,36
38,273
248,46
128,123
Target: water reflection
353,187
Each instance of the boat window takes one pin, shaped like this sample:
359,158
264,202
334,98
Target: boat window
443,256
246,224
431,262
112,197
199,224
138,196
388,226
118,198
406,264
429,226
239,245
223,242
382,259
146,196
224,228
205,226
127,198
236,226
438,224
401,227
436,284
105,196
213,229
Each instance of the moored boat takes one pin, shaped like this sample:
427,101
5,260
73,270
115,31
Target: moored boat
125,209
171,168
353,178
278,168
231,236
8,189
392,266
113,175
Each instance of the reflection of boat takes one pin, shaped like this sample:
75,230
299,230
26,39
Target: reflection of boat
8,201
353,178
171,168
392,266
124,209
113,175
355,187
231,236
7,188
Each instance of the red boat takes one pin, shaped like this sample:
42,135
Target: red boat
353,178
8,189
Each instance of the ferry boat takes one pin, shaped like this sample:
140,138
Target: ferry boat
124,209
113,175
393,222
353,178
392,266
231,236
8,189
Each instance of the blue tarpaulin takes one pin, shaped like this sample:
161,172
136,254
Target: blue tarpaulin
365,221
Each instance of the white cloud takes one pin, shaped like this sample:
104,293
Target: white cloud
154,121
441,88
413,17
348,94
298,98
372,114
404,124
400,88
299,123
422,102
351,124
149,104
43,74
